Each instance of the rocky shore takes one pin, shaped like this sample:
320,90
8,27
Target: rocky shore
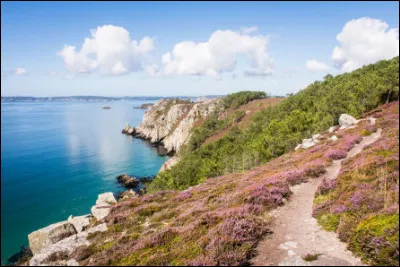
168,123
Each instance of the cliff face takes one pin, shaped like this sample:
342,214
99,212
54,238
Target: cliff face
170,121
159,119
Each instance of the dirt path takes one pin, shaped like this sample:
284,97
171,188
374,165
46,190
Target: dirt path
296,233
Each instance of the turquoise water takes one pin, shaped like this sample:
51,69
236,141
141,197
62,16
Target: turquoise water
56,157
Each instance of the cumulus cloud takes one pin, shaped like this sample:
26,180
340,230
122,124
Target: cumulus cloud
365,41
218,55
20,71
315,65
109,50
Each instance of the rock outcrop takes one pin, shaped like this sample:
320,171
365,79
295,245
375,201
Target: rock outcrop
169,122
128,181
64,237
181,134
160,119
129,130
80,222
50,235
103,205
66,245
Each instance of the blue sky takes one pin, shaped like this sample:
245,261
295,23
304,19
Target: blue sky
285,36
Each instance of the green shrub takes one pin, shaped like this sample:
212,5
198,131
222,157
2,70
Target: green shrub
377,240
235,100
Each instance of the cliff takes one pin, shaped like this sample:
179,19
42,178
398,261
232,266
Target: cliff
169,121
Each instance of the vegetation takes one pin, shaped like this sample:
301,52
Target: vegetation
218,222
238,99
277,130
311,257
361,205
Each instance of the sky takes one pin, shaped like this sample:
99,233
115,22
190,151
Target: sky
187,48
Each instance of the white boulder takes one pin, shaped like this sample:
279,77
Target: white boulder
79,222
307,143
49,235
333,138
103,205
315,138
297,147
332,129
346,120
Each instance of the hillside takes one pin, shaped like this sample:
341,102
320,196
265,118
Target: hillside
278,129
221,221
256,195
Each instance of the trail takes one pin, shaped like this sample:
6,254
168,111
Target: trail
296,233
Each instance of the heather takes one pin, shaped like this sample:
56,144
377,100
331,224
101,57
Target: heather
361,205
276,130
218,222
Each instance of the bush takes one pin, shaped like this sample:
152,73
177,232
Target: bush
235,100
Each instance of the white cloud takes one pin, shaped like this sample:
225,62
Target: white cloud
110,51
20,71
365,41
315,65
218,55
249,30
153,70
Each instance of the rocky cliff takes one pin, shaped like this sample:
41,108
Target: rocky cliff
170,121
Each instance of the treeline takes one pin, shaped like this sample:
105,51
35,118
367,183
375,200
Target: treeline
276,130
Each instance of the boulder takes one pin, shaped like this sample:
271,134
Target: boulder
129,130
332,129
333,138
315,138
297,147
128,194
68,245
80,222
307,143
127,181
103,205
346,120
50,235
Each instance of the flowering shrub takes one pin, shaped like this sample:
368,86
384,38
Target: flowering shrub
336,154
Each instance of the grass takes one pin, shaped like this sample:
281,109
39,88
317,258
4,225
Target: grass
311,257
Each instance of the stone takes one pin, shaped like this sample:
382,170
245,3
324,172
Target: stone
315,138
107,197
297,147
127,181
51,234
333,138
68,244
346,120
307,143
332,129
72,262
128,194
80,222
103,205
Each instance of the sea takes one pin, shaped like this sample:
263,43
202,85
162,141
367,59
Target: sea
56,157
